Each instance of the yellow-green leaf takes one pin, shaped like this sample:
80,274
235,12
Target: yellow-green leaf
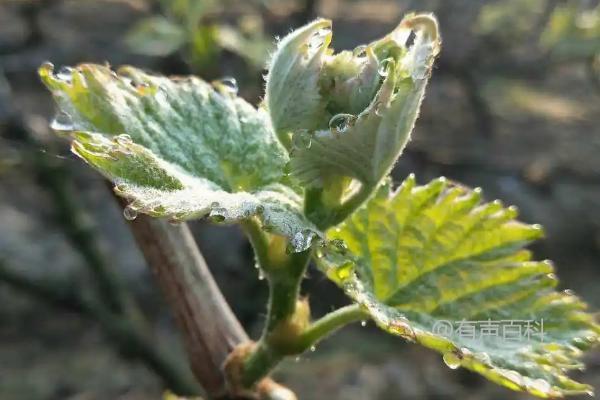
438,267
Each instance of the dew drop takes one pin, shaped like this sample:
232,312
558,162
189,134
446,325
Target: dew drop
130,213
363,323
341,122
540,385
301,140
360,51
301,241
313,348
297,359
46,69
123,139
119,189
65,74
515,377
62,122
384,65
216,218
451,359
261,275
229,84
568,292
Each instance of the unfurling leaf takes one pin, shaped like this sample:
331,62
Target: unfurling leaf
349,114
436,266
178,148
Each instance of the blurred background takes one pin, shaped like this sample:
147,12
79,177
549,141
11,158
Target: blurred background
513,107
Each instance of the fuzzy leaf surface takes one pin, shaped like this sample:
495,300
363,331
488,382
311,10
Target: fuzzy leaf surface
179,148
436,266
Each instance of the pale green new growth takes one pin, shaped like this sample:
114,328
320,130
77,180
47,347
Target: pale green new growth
178,148
425,254
350,114
414,260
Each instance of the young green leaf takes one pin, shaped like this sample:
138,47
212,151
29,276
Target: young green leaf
178,148
435,266
349,114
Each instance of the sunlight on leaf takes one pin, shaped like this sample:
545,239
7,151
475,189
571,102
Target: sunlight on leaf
349,114
179,148
438,267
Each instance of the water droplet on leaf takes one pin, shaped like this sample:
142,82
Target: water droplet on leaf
62,122
540,385
360,51
65,74
229,84
384,65
301,140
363,323
123,139
301,241
451,359
46,69
339,123
313,348
130,213
217,215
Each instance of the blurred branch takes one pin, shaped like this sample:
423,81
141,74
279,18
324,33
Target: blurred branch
129,337
593,71
54,178
115,311
29,11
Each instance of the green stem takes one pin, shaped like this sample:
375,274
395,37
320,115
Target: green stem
350,205
261,361
287,331
325,216
330,323
284,323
